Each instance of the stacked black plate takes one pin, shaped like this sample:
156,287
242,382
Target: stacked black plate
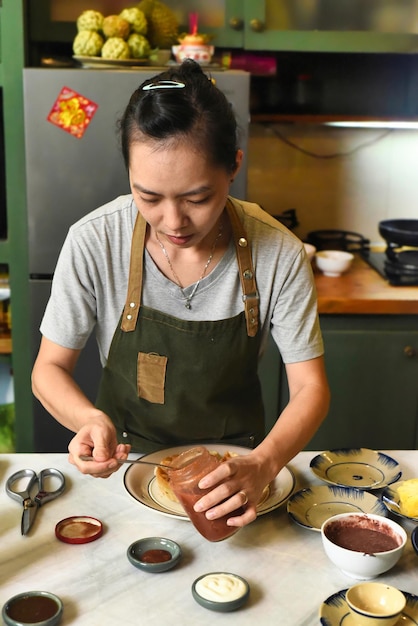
401,263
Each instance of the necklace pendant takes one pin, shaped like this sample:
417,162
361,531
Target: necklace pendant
188,305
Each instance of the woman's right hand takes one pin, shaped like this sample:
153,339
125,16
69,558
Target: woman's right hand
97,438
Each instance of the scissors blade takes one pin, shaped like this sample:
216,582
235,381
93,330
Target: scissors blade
28,517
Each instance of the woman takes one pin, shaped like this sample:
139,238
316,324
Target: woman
200,279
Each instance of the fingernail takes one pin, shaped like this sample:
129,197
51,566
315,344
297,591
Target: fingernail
198,507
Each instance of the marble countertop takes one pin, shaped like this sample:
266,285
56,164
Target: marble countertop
288,572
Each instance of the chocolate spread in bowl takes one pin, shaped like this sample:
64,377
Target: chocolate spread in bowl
363,535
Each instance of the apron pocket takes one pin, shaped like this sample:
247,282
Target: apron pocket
151,368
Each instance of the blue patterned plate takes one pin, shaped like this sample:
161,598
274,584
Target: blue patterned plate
356,467
312,506
335,612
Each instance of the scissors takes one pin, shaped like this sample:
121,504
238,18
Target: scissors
31,503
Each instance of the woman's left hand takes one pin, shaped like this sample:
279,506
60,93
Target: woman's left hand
236,485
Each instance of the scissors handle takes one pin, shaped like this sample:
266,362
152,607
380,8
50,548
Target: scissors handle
46,496
25,494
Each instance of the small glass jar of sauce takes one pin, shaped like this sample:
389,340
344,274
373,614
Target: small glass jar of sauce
190,466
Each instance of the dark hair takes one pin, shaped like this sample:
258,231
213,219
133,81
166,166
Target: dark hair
193,109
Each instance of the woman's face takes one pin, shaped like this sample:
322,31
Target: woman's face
177,191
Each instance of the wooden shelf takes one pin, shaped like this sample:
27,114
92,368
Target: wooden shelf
312,118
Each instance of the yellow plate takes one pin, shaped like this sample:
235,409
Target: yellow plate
100,63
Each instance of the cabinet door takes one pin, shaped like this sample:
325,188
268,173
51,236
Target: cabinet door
374,385
330,25
267,26
300,25
224,19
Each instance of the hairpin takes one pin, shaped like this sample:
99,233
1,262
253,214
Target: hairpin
164,84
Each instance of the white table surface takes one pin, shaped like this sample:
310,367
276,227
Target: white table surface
288,572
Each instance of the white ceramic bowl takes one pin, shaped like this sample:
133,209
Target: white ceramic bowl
310,250
357,561
333,262
375,604
201,53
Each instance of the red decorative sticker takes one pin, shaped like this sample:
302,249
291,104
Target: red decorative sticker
72,112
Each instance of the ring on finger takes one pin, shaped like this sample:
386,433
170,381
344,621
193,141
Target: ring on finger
244,498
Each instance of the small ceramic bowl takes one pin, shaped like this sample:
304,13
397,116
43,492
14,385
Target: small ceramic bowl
154,554
333,262
375,604
348,538
310,250
221,591
33,608
201,53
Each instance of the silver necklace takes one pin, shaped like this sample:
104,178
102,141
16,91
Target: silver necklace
188,299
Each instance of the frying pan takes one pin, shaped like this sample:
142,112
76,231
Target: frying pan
403,232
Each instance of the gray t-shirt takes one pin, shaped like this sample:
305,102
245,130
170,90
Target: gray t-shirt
91,278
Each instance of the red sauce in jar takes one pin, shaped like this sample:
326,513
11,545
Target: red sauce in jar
191,466
155,556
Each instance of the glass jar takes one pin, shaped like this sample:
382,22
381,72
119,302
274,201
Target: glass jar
191,466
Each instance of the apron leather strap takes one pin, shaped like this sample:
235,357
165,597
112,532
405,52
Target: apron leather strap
246,271
133,299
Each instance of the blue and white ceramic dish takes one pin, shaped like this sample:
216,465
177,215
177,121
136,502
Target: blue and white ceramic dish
335,612
361,468
311,507
392,501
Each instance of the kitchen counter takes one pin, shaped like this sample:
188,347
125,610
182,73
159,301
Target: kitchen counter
288,572
362,290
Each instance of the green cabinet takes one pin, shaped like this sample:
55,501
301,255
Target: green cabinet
301,25
372,367
13,248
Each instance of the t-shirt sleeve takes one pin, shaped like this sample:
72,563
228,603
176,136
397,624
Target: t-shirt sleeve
70,313
295,323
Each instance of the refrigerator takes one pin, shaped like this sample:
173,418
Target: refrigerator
71,172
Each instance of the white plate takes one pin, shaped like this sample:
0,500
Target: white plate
99,62
392,501
358,467
312,506
335,612
141,484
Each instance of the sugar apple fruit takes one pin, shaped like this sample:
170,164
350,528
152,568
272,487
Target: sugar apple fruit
90,20
139,46
115,48
162,23
88,43
136,19
115,26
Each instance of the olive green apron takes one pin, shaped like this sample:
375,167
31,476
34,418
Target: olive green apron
169,381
